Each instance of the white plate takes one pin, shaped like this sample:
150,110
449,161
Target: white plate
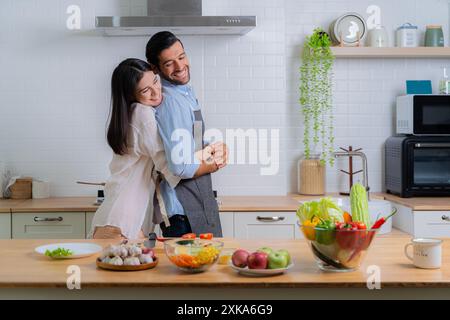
260,272
80,250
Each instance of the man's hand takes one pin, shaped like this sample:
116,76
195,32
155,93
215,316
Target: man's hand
220,154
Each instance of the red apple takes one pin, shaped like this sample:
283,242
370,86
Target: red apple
239,258
257,260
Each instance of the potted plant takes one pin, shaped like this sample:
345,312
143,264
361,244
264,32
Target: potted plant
316,106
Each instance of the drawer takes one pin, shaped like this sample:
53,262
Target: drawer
50,225
266,225
433,224
5,225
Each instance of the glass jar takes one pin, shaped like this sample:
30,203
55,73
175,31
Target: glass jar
311,176
444,83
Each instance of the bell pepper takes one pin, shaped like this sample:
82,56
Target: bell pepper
206,236
325,232
347,217
308,228
189,236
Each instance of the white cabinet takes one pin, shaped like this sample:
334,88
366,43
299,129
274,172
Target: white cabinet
432,224
49,225
5,225
227,222
422,224
266,225
89,217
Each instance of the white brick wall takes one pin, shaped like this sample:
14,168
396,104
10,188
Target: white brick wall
54,86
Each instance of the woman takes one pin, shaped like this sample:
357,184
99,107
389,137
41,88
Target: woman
138,153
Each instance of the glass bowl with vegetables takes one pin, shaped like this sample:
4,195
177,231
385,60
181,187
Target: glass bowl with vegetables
193,255
339,241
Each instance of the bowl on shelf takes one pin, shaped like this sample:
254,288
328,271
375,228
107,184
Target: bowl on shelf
193,255
338,250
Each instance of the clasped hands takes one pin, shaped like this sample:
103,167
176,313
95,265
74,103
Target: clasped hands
215,153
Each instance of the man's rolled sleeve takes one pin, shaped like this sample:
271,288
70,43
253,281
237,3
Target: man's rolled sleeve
171,116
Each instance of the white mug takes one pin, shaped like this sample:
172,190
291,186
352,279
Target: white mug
378,37
427,253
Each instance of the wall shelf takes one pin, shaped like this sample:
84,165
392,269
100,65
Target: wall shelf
370,52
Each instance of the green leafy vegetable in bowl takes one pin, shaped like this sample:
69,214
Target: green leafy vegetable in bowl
324,209
58,252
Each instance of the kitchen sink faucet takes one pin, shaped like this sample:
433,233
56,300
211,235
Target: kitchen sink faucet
360,154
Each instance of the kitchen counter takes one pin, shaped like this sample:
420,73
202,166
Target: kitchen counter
7,204
421,203
286,203
22,269
87,204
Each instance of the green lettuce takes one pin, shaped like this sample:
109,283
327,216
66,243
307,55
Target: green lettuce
325,209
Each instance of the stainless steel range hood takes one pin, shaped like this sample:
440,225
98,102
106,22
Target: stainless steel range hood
180,17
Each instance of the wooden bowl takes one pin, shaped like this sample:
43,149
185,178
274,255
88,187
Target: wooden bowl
108,266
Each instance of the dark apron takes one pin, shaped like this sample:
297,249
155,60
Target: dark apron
197,198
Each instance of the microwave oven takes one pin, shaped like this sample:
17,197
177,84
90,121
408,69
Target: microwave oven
423,114
417,166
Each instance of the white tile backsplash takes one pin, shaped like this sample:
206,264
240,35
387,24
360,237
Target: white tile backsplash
54,86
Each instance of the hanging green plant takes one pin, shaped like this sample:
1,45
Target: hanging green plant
316,74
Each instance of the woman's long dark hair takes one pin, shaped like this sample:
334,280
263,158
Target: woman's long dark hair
124,83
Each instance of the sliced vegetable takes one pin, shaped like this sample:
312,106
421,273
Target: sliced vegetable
359,204
189,236
58,252
206,236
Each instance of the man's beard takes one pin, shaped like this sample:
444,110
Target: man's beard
176,82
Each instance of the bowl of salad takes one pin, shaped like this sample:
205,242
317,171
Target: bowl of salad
193,255
339,240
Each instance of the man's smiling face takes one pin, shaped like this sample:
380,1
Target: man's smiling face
174,64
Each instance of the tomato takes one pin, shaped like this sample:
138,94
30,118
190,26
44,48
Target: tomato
207,236
189,236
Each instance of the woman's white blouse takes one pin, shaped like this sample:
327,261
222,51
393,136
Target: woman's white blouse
130,188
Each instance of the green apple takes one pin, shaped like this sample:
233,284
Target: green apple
285,252
277,260
265,250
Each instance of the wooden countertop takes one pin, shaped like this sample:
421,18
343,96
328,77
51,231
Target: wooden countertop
421,203
7,204
86,204
258,203
22,267
287,203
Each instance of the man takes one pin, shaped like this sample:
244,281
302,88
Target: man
178,113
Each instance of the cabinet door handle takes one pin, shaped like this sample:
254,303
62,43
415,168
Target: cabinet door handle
269,219
446,218
37,219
